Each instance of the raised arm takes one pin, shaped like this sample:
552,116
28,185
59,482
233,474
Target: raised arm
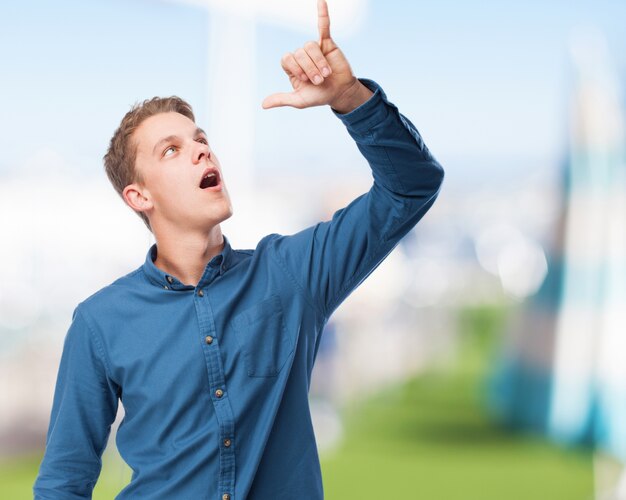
84,407
329,260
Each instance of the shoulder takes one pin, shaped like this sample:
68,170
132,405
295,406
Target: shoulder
265,245
113,295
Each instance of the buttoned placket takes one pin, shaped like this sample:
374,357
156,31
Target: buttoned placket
217,380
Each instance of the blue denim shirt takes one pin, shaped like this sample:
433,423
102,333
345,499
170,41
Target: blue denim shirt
214,378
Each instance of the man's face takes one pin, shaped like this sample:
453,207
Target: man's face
173,156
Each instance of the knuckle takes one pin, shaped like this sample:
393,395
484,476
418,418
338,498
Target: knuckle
300,52
310,45
321,61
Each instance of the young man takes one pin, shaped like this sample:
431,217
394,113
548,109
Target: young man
211,349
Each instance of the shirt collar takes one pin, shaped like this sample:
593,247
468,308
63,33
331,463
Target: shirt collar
164,280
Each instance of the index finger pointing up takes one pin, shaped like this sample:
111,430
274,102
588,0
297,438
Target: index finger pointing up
323,20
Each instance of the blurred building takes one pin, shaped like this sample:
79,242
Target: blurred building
562,370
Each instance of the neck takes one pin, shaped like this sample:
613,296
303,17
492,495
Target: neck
185,256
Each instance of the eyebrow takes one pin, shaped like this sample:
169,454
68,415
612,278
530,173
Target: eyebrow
171,138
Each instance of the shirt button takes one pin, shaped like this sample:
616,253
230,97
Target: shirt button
170,280
166,287
219,393
227,443
225,496
200,293
208,339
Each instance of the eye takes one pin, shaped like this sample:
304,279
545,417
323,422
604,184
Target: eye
203,141
170,148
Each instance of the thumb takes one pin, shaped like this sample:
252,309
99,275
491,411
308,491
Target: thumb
281,99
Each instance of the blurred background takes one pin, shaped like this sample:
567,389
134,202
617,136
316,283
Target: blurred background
484,358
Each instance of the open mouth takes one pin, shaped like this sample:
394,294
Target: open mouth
211,178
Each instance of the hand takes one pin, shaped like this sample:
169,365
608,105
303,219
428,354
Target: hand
320,74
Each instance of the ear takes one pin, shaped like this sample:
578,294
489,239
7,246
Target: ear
137,197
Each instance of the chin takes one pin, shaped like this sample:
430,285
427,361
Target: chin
225,215
228,216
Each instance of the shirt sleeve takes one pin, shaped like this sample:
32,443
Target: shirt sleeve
330,259
83,409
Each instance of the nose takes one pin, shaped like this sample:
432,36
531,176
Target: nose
201,153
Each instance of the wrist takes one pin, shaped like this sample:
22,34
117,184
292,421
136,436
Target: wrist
351,98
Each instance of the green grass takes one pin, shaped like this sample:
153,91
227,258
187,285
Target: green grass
431,438
428,438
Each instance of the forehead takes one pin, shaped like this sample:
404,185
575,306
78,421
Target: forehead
161,125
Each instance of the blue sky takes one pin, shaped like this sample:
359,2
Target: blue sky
485,82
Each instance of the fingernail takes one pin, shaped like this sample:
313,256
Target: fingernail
317,79
325,71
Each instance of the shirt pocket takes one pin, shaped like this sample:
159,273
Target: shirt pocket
262,337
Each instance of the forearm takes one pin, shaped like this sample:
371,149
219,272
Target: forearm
400,161
84,407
